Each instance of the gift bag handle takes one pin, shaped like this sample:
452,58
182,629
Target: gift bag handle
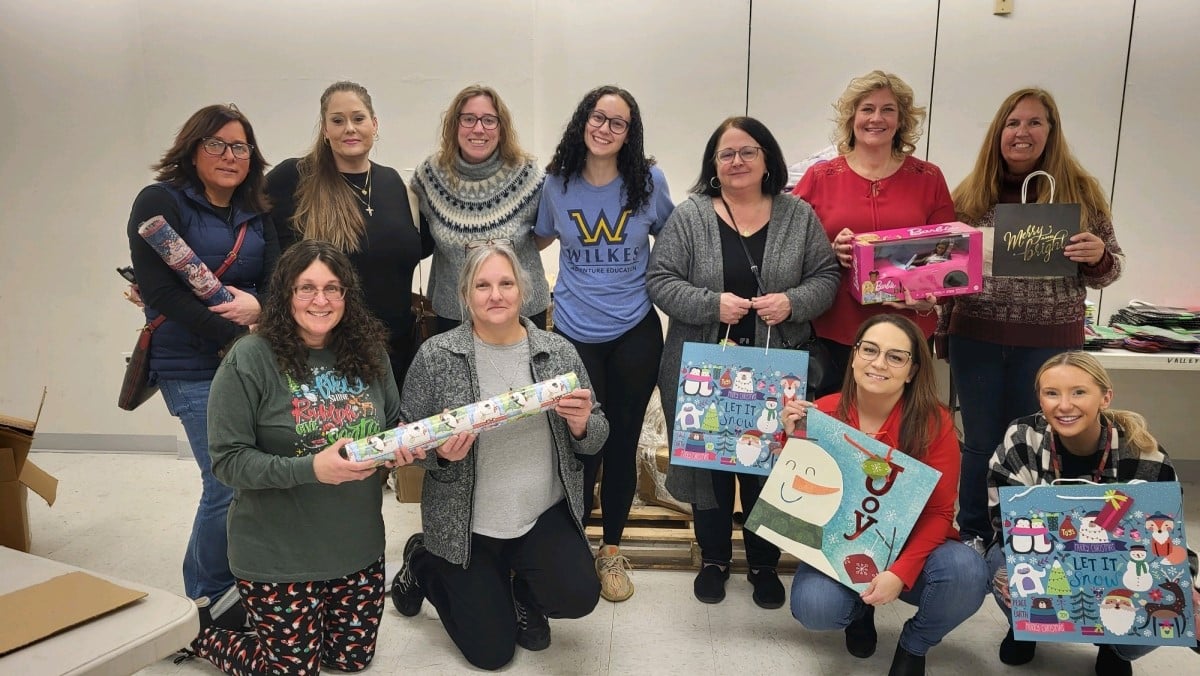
1081,482
1025,185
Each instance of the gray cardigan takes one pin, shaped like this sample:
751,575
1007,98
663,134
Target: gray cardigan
443,376
686,277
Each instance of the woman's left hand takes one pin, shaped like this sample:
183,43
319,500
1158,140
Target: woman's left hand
243,309
576,408
884,589
1085,248
774,308
794,413
923,306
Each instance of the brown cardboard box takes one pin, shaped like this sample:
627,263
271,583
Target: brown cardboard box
31,614
18,474
408,483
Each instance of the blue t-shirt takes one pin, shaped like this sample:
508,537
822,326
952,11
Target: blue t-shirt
601,288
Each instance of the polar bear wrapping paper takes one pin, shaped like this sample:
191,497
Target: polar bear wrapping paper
728,405
480,416
1098,563
841,501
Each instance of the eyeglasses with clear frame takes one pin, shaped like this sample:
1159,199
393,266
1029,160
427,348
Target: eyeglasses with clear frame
469,120
332,292
216,147
869,351
747,153
616,125
477,243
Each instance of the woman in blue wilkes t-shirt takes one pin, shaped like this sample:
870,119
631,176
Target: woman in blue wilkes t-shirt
602,200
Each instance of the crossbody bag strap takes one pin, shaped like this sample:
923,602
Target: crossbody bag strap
758,280
229,259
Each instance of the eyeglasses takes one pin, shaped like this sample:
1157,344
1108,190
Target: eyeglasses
896,359
477,243
216,147
469,120
616,125
747,153
309,292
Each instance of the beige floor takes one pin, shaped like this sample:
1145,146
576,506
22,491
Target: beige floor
129,516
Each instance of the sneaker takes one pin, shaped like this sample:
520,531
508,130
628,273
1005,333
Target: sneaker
709,586
612,567
905,663
406,593
860,635
768,590
1016,653
226,612
533,629
1109,663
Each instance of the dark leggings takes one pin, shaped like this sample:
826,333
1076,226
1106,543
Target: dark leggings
714,527
623,372
444,324
301,626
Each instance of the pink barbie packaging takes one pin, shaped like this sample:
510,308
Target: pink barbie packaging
943,260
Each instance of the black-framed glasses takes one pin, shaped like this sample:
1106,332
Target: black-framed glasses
216,147
616,125
310,291
747,153
477,243
869,351
469,120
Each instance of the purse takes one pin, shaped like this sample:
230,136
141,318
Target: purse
136,387
424,318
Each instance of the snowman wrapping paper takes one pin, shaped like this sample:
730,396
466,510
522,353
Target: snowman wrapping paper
1098,563
728,406
841,501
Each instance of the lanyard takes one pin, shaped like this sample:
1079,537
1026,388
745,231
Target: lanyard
1098,472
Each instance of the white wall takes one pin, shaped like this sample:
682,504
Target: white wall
93,94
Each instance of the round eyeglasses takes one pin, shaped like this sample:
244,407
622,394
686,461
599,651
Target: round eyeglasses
309,292
869,351
616,125
747,153
469,120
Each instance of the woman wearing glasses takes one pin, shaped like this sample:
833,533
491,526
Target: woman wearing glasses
603,199
890,393
480,187
306,537
874,184
741,260
210,187
336,193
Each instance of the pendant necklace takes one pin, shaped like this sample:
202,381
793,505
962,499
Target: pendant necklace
364,190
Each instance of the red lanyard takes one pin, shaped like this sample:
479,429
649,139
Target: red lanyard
1097,473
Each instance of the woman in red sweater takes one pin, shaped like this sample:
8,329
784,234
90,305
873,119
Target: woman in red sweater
890,394
874,184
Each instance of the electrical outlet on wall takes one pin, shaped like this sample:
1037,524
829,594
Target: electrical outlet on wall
1002,7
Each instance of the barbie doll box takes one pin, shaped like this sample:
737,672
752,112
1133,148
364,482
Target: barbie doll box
943,260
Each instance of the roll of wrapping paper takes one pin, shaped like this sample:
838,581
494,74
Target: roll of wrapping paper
179,257
480,416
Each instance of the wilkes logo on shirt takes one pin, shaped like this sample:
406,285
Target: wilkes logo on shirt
591,234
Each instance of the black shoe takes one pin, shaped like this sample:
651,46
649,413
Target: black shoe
533,629
709,586
1109,663
226,612
905,663
860,635
768,590
1014,652
406,593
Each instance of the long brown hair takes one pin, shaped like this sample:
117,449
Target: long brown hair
980,190
510,150
178,168
921,421
1133,425
326,208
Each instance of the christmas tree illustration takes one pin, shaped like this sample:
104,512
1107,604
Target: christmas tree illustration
710,422
1057,584
1083,608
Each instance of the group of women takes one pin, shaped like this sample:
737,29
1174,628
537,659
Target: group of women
297,582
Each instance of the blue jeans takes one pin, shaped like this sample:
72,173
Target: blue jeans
948,591
995,386
206,561
995,561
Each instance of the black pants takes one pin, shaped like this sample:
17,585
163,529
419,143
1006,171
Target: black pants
475,603
714,527
840,355
623,372
444,324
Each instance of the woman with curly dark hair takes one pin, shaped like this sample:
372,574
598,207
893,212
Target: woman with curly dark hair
603,199
285,400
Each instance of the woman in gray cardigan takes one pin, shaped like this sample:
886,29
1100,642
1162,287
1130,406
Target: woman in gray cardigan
503,546
780,275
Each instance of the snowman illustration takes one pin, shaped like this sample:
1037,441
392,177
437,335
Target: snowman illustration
1137,572
768,419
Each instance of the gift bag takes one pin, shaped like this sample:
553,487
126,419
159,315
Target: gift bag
841,501
727,411
1114,571
1029,238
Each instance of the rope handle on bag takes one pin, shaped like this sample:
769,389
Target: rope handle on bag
1025,185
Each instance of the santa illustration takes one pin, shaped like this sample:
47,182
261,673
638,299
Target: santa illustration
1117,611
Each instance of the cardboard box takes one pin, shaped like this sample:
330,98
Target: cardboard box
17,474
407,480
943,260
40,611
